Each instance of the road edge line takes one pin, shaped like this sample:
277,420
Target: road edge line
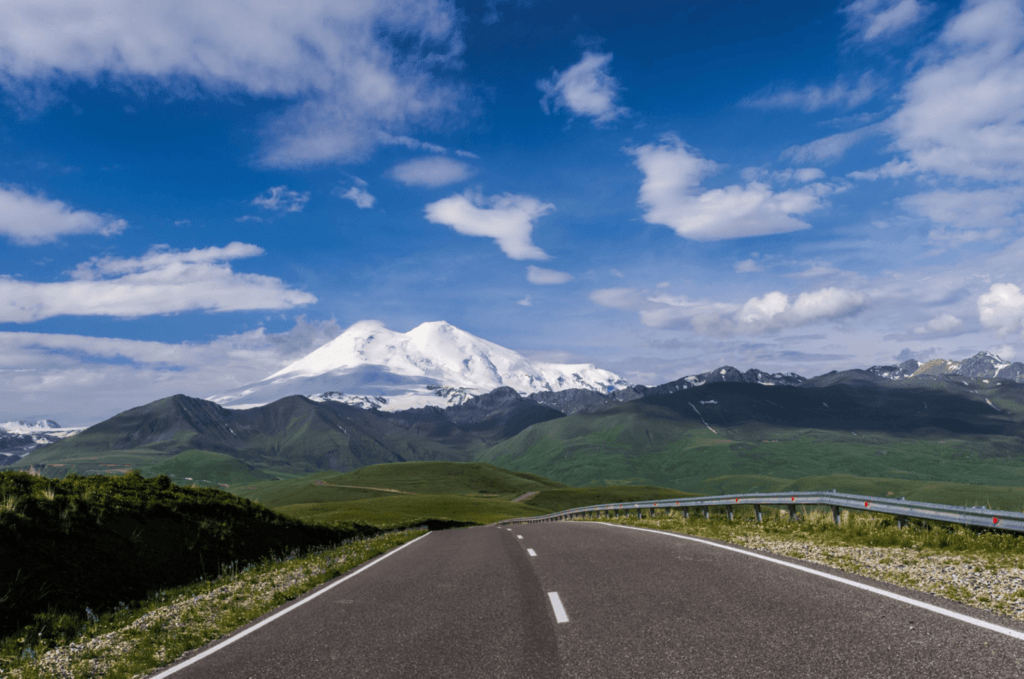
853,583
230,640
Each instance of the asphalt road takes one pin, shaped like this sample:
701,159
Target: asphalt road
477,603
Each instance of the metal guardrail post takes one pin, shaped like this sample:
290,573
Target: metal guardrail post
901,521
686,513
757,513
707,512
792,512
836,514
728,511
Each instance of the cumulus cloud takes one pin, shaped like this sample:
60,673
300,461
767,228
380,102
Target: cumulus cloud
1002,308
672,195
942,324
539,276
360,196
525,301
769,313
963,112
893,169
507,218
357,193
431,172
586,88
357,73
281,199
79,380
775,311
33,220
813,98
747,266
162,281
873,19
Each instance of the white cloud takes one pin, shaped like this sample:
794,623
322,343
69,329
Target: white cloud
349,65
830,148
982,209
431,172
1002,308
808,174
585,88
32,220
747,266
525,301
774,311
507,218
813,98
539,276
360,196
80,380
963,112
672,195
162,281
282,199
770,313
873,19
893,169
357,193
942,324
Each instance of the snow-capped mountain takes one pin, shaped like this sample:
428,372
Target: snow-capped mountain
18,439
983,365
435,363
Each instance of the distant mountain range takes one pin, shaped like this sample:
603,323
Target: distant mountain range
473,399
923,423
17,439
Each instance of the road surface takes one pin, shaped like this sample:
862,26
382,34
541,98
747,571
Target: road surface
587,600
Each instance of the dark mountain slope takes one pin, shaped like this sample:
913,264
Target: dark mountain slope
296,434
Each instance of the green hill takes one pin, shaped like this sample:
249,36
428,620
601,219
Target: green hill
762,438
390,480
290,437
409,510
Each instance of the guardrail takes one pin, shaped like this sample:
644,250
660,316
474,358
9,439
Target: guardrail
902,509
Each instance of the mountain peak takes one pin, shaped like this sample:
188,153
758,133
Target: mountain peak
435,363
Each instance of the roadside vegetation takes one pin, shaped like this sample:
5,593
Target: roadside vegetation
984,568
98,543
132,640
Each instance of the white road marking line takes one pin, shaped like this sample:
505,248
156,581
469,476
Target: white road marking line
231,640
556,604
520,537
531,552
874,590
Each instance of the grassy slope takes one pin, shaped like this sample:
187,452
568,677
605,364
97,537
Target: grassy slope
206,469
641,444
567,498
448,478
407,510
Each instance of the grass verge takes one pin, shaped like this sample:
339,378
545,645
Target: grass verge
980,569
129,642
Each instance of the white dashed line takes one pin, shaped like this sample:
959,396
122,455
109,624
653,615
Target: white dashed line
520,537
531,552
556,604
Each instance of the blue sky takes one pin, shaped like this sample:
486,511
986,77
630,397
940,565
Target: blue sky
192,197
